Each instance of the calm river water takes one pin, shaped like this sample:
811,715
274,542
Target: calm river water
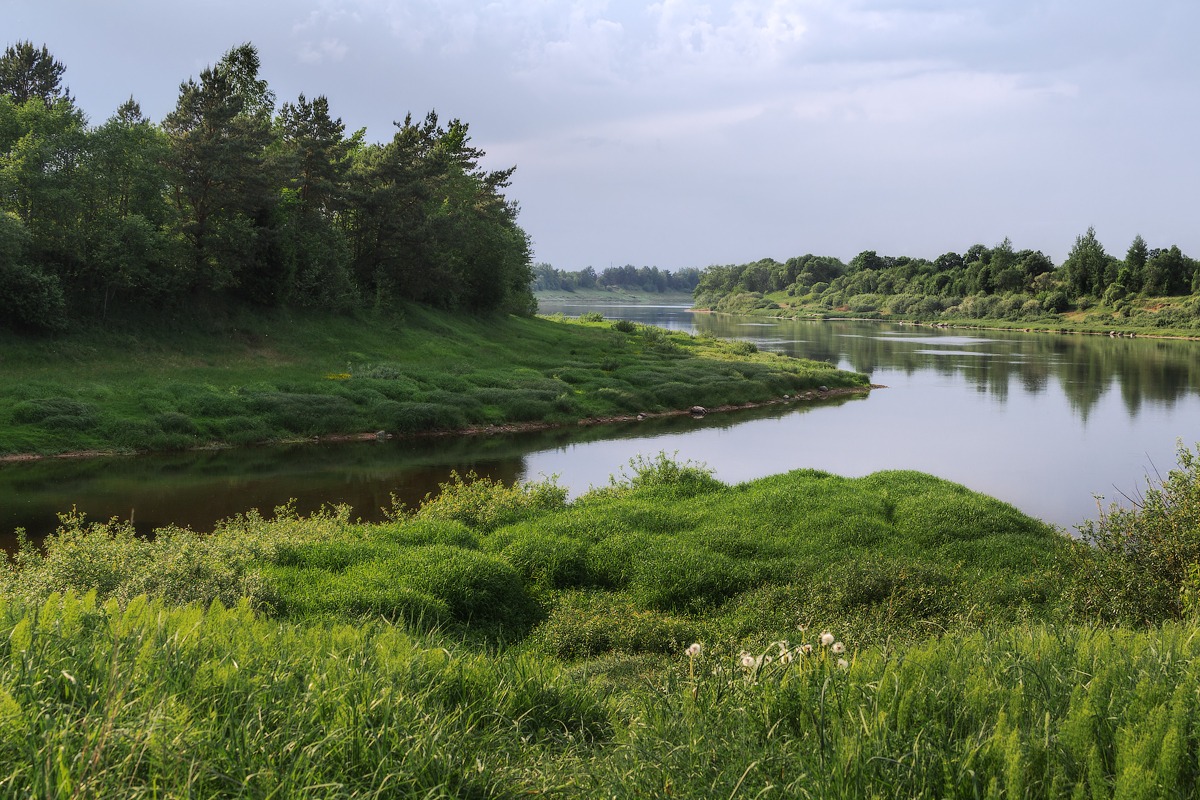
1042,421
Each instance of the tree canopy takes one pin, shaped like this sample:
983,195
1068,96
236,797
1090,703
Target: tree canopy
231,200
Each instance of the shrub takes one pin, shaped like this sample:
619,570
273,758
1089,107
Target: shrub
548,561
1135,564
420,417
487,503
678,576
63,410
664,472
624,326
591,316
585,624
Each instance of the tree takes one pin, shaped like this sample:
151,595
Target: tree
27,73
219,132
30,299
1085,265
315,158
41,148
130,252
1135,265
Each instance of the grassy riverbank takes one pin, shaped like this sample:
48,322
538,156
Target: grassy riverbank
502,642
615,296
279,377
1161,317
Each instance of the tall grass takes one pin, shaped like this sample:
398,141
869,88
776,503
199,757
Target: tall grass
661,636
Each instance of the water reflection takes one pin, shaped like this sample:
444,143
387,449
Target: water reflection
1085,367
195,489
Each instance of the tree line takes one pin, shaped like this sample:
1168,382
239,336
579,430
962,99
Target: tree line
997,281
232,200
637,279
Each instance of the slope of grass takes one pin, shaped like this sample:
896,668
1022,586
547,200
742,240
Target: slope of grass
283,377
802,635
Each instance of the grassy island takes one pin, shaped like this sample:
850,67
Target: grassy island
256,378
895,635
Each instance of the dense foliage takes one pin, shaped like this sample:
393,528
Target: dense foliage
233,201
799,635
984,282
630,278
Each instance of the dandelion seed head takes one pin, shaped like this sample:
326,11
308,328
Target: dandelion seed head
826,639
747,661
806,649
785,658
838,647
843,663
694,650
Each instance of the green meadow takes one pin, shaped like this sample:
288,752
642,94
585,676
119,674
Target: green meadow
668,635
275,377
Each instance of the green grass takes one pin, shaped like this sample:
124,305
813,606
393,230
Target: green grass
284,378
1167,317
503,642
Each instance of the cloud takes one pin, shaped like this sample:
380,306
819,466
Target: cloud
330,49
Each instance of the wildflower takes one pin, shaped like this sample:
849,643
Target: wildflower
694,650
786,658
826,639
806,649
747,661
838,648
843,663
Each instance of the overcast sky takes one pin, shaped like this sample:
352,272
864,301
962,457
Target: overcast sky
680,134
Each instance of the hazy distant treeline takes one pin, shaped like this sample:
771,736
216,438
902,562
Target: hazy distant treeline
994,282
232,199
638,279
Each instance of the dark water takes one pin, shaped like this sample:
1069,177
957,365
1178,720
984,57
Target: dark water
1042,421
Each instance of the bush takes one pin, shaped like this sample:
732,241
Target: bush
33,412
1135,564
487,504
663,472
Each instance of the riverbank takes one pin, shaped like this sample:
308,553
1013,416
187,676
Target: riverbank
614,296
892,635
281,378
1154,318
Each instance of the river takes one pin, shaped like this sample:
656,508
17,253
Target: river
1043,421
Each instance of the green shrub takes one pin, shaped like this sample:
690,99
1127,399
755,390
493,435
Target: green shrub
548,561
486,503
679,576
64,411
584,624
591,316
1133,564
624,326
662,472
421,417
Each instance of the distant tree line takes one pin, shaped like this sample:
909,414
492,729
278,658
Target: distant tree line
232,200
993,282
638,279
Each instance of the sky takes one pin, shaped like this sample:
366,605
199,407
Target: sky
683,134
